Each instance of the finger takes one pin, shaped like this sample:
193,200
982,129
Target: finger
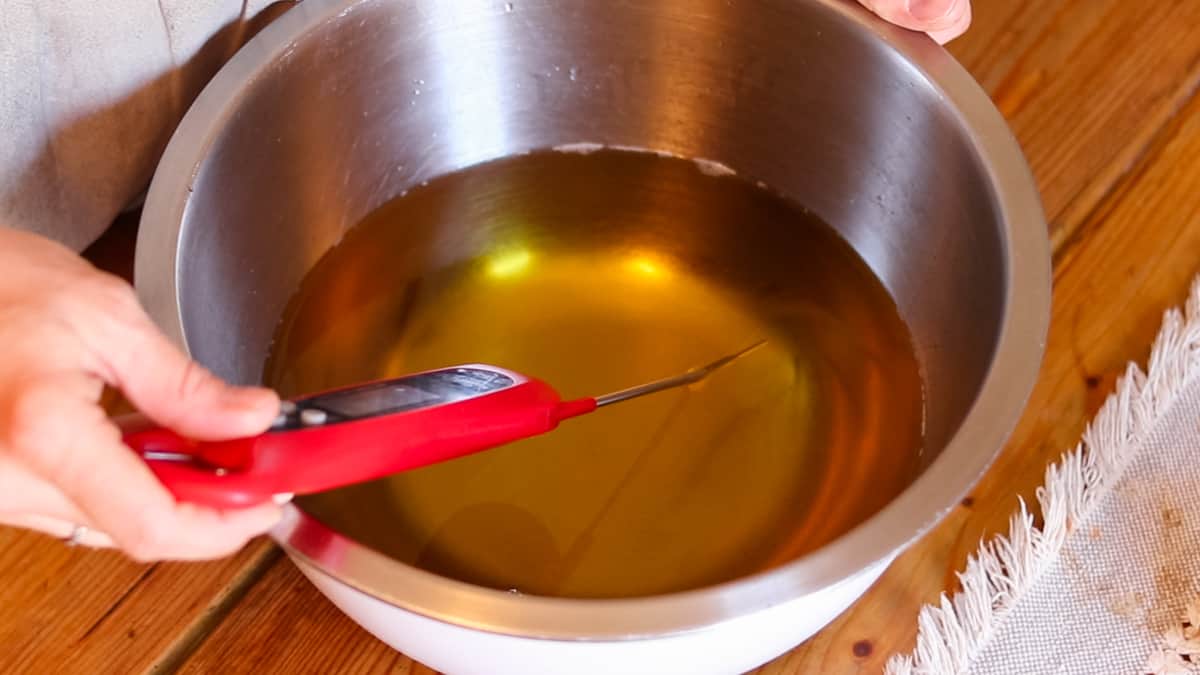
33,504
59,529
119,494
27,492
174,390
960,26
937,17
146,521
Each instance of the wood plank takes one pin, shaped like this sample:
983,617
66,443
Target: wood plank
1141,253
285,626
75,611
1095,80
1000,35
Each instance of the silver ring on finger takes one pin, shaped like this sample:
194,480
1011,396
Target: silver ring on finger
76,536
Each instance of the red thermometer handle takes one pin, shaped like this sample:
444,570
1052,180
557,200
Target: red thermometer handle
362,433
316,454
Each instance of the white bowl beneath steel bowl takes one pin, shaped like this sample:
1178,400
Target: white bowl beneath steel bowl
342,104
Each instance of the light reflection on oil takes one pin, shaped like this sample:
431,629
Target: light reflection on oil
509,263
648,266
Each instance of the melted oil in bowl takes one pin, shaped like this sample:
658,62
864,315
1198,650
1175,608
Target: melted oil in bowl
595,272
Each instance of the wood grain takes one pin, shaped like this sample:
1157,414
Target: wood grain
285,626
1093,82
76,611
1095,92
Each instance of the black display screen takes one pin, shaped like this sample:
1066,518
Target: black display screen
376,400
410,393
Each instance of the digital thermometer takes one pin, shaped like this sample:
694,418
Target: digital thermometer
369,431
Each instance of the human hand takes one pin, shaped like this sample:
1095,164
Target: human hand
66,330
943,20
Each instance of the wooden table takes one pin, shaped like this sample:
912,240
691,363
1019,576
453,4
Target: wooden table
1101,95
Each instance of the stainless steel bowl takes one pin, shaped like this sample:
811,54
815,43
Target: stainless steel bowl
342,104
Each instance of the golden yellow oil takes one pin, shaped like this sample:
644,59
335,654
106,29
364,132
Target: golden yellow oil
595,272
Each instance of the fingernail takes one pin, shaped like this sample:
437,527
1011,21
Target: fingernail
253,399
929,10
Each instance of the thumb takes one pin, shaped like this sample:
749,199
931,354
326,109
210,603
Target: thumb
179,393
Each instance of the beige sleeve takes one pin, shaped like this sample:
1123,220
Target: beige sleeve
89,97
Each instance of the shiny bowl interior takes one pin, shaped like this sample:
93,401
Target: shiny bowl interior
342,104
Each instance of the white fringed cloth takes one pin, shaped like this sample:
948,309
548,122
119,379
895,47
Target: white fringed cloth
1110,584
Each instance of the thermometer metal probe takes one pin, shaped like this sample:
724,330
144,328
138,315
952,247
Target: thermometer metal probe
369,431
